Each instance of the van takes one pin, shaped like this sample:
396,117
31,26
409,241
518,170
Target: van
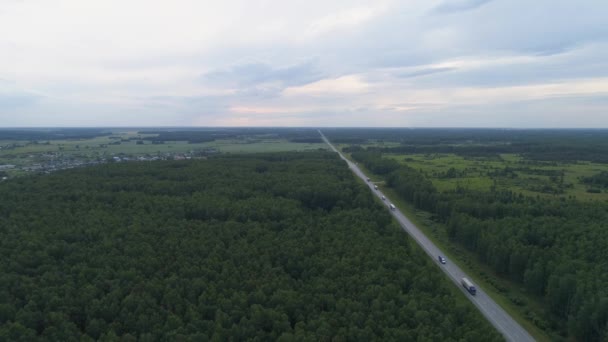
466,283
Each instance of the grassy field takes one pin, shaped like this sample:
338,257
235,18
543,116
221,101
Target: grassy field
24,154
231,146
104,145
506,172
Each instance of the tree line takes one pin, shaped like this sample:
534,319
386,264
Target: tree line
599,180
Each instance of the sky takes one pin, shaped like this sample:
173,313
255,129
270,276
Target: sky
381,63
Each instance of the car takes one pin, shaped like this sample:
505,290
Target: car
383,198
368,179
392,206
441,259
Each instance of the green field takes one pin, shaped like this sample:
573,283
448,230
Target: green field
25,154
105,145
508,171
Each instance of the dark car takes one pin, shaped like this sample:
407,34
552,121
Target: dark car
441,259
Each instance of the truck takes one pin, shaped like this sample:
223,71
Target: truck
466,283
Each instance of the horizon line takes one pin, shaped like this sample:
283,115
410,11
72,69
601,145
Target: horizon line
5,128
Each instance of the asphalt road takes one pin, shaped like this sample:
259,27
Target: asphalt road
504,323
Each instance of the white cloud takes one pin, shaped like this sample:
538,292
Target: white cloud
346,19
350,84
341,62
501,95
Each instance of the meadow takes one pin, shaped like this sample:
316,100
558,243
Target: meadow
24,153
506,172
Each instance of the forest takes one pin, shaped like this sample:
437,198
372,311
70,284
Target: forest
281,246
554,246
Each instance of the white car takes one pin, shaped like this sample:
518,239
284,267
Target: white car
383,198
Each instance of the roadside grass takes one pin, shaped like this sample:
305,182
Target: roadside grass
501,290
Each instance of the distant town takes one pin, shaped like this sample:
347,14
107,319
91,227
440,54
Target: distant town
55,161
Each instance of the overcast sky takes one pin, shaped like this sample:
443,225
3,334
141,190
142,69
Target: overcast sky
427,63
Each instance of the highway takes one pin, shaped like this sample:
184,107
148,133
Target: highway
503,322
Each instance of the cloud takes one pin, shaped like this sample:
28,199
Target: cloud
351,84
13,97
424,72
346,19
12,101
450,6
341,62
249,74
586,62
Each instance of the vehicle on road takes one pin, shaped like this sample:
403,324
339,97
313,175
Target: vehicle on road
441,259
392,206
383,198
375,187
466,283
368,179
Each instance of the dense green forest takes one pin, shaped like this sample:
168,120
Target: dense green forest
284,246
554,246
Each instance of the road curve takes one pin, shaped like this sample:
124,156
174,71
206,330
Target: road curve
503,322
